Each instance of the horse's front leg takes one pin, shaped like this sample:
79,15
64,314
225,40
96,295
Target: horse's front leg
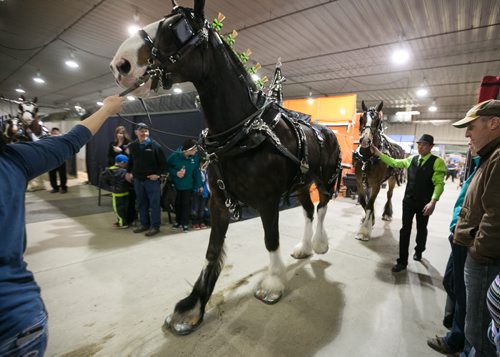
366,227
304,249
271,288
387,215
362,233
189,312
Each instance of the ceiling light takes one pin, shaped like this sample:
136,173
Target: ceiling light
422,92
177,90
400,56
132,29
255,77
99,103
130,98
39,79
433,107
71,63
20,90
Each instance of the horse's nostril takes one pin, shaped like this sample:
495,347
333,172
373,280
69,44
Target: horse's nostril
124,67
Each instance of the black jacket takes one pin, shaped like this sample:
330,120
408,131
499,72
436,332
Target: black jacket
146,159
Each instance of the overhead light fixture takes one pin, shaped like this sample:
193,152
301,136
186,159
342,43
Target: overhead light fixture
99,103
20,90
71,61
310,100
132,29
422,92
177,90
38,79
400,56
433,107
255,77
131,98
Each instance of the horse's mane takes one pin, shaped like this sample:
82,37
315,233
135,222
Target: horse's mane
240,68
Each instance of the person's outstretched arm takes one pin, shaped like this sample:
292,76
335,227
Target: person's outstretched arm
111,105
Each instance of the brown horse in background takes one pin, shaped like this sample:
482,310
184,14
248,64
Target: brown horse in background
371,172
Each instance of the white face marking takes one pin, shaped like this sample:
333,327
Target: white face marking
367,136
128,53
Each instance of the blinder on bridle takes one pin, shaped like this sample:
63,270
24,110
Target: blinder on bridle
186,39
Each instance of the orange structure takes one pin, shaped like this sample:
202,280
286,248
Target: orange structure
338,114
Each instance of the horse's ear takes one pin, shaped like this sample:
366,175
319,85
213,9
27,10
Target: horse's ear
174,4
199,6
363,106
380,105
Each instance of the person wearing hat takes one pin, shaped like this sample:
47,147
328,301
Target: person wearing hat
478,225
147,162
114,176
425,185
23,317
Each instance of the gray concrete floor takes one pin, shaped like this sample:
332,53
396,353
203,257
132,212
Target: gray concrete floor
108,291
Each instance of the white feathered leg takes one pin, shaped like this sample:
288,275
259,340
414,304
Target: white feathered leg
304,248
320,239
365,229
273,285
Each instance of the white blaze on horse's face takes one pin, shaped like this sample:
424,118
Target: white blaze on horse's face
127,66
366,138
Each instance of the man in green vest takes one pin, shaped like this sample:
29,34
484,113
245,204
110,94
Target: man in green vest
425,185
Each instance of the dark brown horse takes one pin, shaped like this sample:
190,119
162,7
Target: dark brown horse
371,172
257,151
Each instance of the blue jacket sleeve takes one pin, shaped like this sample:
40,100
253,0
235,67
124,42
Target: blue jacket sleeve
35,158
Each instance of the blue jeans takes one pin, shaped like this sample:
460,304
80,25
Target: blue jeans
31,342
478,278
455,287
148,195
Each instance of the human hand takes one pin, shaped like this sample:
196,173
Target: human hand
200,190
181,172
375,151
429,208
112,104
153,177
129,177
117,149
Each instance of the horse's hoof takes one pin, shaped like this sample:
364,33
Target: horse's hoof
300,255
362,237
180,328
320,248
268,297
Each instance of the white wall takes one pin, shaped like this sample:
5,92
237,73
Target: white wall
443,134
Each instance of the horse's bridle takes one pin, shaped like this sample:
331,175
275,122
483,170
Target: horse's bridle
186,38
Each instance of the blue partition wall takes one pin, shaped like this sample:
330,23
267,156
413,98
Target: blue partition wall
173,129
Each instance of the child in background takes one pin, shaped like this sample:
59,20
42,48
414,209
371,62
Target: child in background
114,176
200,201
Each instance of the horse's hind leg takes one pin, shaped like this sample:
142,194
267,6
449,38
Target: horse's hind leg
320,239
387,215
304,249
273,285
189,312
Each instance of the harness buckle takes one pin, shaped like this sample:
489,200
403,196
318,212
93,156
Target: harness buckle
221,184
228,203
172,59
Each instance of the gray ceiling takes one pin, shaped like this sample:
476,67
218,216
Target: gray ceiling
327,47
